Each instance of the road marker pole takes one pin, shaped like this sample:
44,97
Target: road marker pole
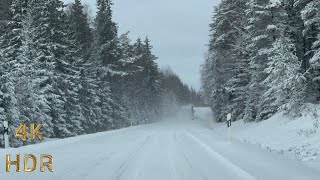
5,134
229,127
192,112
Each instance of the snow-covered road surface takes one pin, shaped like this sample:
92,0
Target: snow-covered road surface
175,149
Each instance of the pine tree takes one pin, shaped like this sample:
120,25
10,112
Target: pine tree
29,105
151,79
106,57
54,68
208,79
106,34
237,84
226,63
295,28
5,14
285,84
12,44
123,89
56,72
2,113
228,84
264,27
132,88
80,31
311,17
311,25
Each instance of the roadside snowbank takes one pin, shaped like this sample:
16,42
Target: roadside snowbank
297,137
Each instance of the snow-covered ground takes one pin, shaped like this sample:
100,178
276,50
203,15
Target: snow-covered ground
174,149
297,138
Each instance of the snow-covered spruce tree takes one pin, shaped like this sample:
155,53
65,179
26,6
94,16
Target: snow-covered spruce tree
81,38
137,84
174,93
221,62
238,84
2,115
125,88
42,66
151,81
47,75
8,101
170,85
285,83
5,15
133,86
70,72
277,28
15,64
263,28
207,79
42,59
88,98
314,72
9,105
311,16
80,32
106,56
106,34
31,106
56,73
124,84
21,68
226,59
295,28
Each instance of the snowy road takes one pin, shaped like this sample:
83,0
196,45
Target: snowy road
175,149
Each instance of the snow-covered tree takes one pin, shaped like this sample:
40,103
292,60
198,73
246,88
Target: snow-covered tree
264,27
75,78
285,84
5,15
80,31
244,58
311,16
224,71
106,34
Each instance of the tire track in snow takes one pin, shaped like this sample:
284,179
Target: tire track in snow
98,160
194,171
122,168
170,152
228,164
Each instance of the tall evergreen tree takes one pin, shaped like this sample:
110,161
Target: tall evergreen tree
56,71
151,79
106,33
226,59
311,17
285,83
80,30
76,79
5,15
106,57
263,27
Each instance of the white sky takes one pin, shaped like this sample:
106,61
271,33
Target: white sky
178,30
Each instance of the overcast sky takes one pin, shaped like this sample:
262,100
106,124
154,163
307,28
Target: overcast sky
178,30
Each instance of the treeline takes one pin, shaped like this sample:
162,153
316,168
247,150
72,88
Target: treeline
74,75
263,56
177,92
